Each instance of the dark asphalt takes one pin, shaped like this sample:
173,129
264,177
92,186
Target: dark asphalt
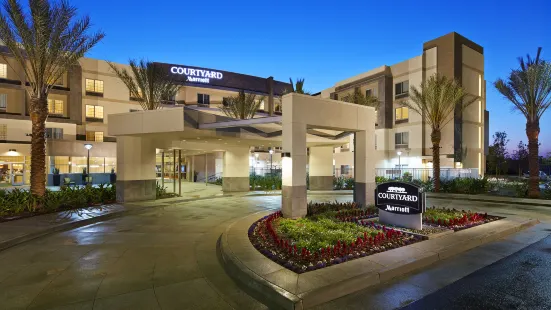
519,281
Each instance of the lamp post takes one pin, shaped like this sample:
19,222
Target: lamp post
87,146
271,153
399,162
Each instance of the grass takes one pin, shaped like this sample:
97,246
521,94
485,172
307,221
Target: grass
314,234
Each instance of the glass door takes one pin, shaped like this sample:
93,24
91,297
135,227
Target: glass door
5,175
18,171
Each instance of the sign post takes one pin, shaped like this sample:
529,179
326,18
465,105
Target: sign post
400,204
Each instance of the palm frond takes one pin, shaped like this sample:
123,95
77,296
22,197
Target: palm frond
242,106
437,99
360,98
46,41
148,84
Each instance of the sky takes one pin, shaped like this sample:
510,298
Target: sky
325,41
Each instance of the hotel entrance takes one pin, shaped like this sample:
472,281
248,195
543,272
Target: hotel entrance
12,174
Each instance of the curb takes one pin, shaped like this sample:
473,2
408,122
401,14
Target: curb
324,285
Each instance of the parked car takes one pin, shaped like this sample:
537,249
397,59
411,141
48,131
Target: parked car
543,175
545,186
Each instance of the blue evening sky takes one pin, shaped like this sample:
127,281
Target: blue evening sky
324,41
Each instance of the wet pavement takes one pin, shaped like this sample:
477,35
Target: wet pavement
165,258
520,281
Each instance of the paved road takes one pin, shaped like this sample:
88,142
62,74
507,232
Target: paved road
520,281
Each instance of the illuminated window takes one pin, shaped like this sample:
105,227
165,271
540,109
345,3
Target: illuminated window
55,107
94,111
402,113
94,136
3,102
3,71
94,86
401,89
401,139
3,132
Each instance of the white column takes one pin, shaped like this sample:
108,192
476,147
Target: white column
321,168
135,169
364,168
236,170
293,194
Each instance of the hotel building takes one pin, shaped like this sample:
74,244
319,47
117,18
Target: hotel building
82,99
401,131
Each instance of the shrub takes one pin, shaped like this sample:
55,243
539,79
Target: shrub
161,192
465,186
379,179
19,201
343,183
265,182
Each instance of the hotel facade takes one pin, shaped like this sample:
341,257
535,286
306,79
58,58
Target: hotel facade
402,137
82,99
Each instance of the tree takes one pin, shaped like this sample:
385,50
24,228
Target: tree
498,153
528,88
436,100
521,154
147,83
298,87
242,106
45,40
360,98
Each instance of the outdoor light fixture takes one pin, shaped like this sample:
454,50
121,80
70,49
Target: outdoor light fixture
12,152
399,153
88,146
271,152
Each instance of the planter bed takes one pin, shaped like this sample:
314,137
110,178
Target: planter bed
317,248
455,219
428,231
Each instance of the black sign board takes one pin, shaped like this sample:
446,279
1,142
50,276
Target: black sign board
205,77
400,198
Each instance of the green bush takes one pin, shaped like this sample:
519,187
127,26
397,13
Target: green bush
343,183
161,192
265,182
379,179
19,201
465,186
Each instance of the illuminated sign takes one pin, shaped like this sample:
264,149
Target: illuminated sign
197,75
400,198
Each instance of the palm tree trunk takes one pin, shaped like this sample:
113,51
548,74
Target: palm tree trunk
39,113
533,131
435,137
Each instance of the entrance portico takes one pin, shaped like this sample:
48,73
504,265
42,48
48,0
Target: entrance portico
194,130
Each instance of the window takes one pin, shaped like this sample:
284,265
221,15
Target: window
401,139
3,71
3,102
3,132
225,101
55,107
203,99
54,133
94,86
59,82
402,114
345,169
369,93
94,111
94,136
401,89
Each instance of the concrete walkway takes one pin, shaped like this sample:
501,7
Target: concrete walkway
163,257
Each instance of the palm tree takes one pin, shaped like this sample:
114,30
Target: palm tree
147,83
360,98
436,100
242,106
529,89
298,87
46,41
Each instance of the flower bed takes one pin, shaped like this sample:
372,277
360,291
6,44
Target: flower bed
426,231
312,243
455,219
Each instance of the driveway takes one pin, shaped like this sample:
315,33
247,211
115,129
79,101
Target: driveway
162,259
